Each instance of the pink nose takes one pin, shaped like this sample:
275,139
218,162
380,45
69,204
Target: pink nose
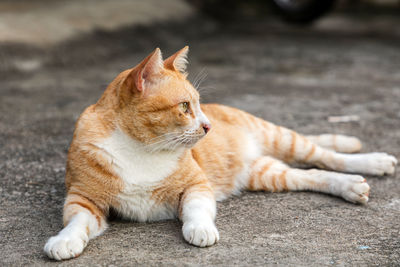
206,127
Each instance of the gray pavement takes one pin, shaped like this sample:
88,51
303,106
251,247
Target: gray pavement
291,76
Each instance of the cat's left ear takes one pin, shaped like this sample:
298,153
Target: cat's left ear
140,77
149,67
178,61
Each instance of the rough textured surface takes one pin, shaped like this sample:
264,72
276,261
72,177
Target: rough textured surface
293,77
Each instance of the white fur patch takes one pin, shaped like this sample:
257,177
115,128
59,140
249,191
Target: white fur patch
198,216
136,204
201,118
252,151
369,163
200,233
140,171
70,242
353,188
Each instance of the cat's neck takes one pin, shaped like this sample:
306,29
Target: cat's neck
129,143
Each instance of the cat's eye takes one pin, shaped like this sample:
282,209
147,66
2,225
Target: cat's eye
184,107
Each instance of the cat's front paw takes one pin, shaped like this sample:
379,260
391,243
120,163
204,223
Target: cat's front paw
201,234
66,245
381,164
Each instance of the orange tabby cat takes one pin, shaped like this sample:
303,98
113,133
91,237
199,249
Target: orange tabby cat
147,149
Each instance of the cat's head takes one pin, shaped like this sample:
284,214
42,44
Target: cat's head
158,106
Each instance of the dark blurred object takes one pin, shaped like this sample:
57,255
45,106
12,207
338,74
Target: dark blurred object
302,11
219,9
294,11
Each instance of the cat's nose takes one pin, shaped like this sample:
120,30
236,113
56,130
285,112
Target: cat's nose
206,127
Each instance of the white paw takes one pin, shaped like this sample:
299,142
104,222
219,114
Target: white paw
66,245
201,234
354,189
380,164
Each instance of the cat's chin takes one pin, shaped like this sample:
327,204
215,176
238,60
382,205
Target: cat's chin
181,147
189,144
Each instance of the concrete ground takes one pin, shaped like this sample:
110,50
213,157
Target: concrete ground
297,77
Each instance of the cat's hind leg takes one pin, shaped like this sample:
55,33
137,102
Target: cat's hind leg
83,220
290,146
337,142
269,174
366,163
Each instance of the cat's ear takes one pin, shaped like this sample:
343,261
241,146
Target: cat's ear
145,71
178,61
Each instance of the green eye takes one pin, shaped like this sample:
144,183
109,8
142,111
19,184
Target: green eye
184,106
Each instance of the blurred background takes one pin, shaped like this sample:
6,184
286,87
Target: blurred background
315,66
36,33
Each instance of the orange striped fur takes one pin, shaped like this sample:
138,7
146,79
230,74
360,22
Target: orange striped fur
146,150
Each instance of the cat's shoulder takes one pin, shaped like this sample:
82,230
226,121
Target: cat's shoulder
93,124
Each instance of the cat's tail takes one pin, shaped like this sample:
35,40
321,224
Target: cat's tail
336,142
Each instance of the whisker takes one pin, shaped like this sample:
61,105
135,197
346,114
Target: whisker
205,90
170,141
165,143
163,135
200,77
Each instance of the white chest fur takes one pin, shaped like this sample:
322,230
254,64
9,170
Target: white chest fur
140,172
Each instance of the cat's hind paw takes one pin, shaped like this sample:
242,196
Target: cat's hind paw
378,164
382,164
66,246
356,189
201,234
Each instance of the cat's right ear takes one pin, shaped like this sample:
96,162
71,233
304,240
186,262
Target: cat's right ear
178,61
140,76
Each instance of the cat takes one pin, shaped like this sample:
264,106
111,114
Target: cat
150,151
